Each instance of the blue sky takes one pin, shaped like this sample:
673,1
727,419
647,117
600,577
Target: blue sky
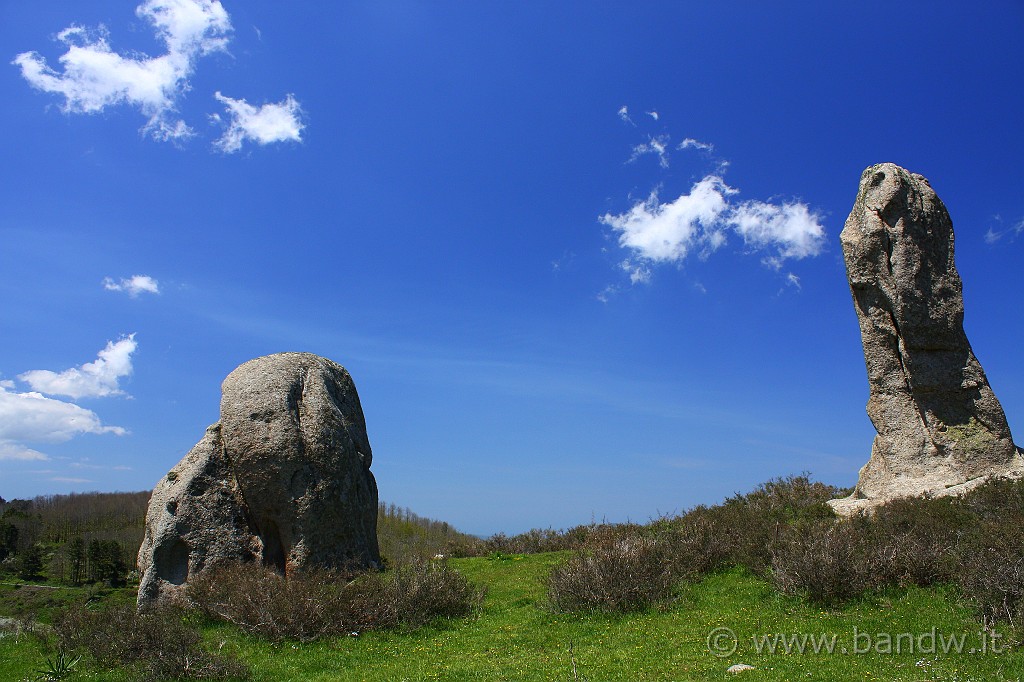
581,258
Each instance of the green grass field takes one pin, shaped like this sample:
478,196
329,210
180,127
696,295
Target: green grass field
516,638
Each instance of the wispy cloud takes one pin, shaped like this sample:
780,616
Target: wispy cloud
624,115
638,273
993,236
653,114
14,451
133,286
690,143
606,294
94,379
279,122
654,145
95,77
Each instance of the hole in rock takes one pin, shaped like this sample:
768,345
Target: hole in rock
273,548
172,566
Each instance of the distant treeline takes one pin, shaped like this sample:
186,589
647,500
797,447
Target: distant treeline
73,539
95,537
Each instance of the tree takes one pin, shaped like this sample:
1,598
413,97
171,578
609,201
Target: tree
106,563
29,563
57,567
76,559
8,539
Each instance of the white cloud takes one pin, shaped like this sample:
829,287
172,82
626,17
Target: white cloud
95,77
701,220
269,123
790,228
133,286
33,417
689,143
668,232
654,145
624,115
93,379
15,451
189,27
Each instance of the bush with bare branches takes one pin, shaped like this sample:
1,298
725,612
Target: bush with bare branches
312,605
157,645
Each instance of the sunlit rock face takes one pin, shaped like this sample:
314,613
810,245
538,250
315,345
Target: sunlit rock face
941,429
283,478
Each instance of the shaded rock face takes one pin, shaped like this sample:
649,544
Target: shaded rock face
283,478
941,429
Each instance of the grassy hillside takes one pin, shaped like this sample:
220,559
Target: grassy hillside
515,637
925,590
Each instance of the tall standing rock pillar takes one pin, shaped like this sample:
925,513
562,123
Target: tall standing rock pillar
941,429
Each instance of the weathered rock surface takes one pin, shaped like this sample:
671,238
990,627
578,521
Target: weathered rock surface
283,478
941,429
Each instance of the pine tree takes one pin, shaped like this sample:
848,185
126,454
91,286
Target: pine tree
8,539
29,563
76,559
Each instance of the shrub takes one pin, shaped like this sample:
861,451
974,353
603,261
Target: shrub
825,561
412,595
997,500
990,560
619,574
157,645
992,572
546,540
744,529
917,541
262,602
311,605
704,540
